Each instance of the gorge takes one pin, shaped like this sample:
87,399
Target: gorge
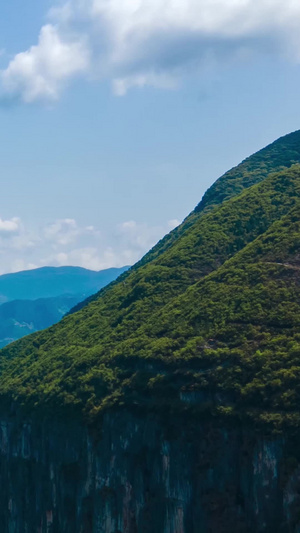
169,401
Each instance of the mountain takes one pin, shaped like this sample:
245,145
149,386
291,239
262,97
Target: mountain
281,154
118,327
49,282
44,296
169,401
22,317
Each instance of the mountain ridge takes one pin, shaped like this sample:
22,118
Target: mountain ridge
234,181
97,357
170,401
47,282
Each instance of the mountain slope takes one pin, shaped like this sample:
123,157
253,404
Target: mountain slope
236,333
170,401
283,153
150,337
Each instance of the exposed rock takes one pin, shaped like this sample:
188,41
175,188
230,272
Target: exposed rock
144,476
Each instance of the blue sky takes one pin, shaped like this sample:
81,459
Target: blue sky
114,120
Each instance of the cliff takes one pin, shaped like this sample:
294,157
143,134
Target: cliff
143,476
169,402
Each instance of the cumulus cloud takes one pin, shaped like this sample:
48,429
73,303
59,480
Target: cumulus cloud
61,232
138,238
90,257
66,242
172,224
8,227
65,231
42,71
147,42
90,248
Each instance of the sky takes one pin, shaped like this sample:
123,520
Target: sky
117,115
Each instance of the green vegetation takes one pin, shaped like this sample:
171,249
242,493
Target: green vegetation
281,154
209,325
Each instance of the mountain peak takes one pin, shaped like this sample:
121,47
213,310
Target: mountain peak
184,306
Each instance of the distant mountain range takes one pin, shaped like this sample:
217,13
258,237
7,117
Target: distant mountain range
49,282
36,299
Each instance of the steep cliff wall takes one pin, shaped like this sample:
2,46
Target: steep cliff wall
206,324
140,475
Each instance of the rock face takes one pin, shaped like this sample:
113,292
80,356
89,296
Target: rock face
202,333
141,476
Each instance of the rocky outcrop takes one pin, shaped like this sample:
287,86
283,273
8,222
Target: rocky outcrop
140,475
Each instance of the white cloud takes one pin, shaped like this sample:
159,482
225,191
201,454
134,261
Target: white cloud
66,231
66,242
160,81
41,71
87,257
125,245
62,232
148,42
173,223
21,264
11,226
139,238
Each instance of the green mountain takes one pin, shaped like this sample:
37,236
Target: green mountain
169,401
211,312
281,154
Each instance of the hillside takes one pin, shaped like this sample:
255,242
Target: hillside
214,314
283,153
169,402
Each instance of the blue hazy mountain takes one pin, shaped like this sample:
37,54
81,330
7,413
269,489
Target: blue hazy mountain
22,317
49,282
36,299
